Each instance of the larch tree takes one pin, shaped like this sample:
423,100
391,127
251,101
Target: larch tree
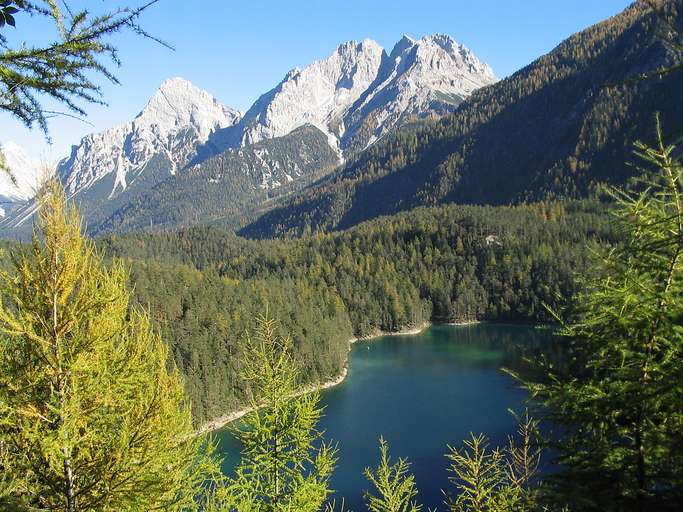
394,486
498,479
92,417
67,70
286,465
621,396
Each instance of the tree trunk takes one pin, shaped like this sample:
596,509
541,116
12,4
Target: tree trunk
640,468
68,476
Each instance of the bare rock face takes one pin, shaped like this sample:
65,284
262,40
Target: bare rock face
360,86
354,97
178,119
432,75
319,95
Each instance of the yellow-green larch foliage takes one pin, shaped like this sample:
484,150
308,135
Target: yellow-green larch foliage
497,479
285,464
92,418
620,396
394,486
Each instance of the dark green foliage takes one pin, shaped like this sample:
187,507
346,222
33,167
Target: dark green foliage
554,129
205,316
621,398
7,11
204,286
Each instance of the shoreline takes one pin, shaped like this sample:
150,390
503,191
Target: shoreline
226,419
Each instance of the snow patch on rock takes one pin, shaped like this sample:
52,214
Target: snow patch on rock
28,173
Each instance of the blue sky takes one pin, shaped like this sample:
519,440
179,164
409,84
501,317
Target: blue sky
238,49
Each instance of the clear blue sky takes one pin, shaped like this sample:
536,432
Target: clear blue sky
238,49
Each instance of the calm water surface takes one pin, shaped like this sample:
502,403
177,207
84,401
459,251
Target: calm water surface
421,393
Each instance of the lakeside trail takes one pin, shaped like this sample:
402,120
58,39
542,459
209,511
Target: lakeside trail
222,421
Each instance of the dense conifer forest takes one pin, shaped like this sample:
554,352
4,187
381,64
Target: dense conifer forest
205,286
114,351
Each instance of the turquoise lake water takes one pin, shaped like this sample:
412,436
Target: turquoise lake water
421,393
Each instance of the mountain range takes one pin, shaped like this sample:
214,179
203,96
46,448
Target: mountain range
355,97
366,133
558,128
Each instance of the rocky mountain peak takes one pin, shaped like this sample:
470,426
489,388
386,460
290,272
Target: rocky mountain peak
178,119
178,103
401,46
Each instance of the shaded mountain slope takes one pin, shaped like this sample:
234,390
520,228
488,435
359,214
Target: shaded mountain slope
556,128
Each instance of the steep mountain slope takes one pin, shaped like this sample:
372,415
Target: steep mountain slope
175,123
554,129
107,170
355,97
317,95
359,93
227,189
27,173
419,78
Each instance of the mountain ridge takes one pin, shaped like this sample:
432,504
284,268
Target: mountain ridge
360,85
182,126
557,128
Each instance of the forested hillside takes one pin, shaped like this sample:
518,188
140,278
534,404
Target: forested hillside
227,189
552,130
205,286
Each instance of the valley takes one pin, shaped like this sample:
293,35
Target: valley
389,246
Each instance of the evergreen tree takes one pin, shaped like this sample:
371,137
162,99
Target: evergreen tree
394,485
91,416
65,69
499,479
623,396
285,464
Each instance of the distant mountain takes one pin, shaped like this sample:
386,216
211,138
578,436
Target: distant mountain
230,188
355,97
176,122
360,93
554,129
27,173
106,170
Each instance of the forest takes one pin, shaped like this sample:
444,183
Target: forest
205,286
113,351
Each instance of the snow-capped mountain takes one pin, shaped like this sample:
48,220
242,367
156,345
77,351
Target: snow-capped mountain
319,94
27,173
177,121
361,88
354,97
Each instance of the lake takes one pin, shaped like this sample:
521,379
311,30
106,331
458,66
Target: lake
421,392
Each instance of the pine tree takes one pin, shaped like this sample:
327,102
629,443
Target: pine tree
285,463
91,416
622,397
